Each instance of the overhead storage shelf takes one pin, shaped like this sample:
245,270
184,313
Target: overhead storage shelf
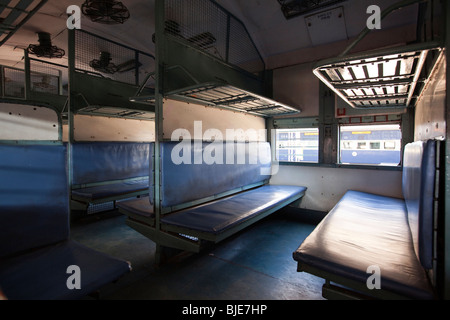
226,97
114,112
380,79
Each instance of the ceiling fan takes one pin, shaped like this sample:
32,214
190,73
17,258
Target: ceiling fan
105,11
103,64
45,48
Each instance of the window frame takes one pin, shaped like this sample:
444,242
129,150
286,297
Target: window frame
314,122
368,143
293,123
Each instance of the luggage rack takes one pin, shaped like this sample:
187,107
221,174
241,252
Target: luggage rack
379,79
225,96
114,112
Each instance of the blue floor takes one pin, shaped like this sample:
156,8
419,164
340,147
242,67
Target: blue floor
255,264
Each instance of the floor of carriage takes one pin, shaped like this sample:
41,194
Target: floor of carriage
255,264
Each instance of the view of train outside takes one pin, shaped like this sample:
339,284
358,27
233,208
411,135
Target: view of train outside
358,144
371,144
298,145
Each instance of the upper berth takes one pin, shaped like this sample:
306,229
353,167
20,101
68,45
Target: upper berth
385,78
210,59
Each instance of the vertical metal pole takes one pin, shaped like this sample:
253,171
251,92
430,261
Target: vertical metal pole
2,80
328,126
27,75
159,128
136,67
227,50
159,90
60,83
447,160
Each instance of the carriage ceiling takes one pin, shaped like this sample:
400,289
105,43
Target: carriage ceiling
272,33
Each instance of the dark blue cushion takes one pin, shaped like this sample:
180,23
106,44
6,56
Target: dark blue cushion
140,206
184,182
33,196
111,190
105,161
220,215
42,274
419,162
363,230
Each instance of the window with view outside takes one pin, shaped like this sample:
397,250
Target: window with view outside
371,144
297,145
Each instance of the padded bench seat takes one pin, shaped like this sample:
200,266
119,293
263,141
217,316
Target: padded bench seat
221,215
109,171
396,237
35,245
138,209
42,274
207,201
113,190
363,230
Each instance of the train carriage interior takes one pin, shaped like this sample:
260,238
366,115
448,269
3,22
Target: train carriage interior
224,151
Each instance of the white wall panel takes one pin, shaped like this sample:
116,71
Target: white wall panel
26,122
326,186
430,120
181,115
94,128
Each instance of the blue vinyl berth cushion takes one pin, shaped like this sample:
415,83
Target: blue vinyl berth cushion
184,182
418,190
220,215
33,197
111,190
210,200
364,230
106,161
42,274
110,170
140,206
35,249
394,234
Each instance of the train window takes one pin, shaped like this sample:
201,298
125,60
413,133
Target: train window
370,144
297,145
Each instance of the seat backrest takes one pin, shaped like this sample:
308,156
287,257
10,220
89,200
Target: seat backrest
34,208
106,161
418,184
197,170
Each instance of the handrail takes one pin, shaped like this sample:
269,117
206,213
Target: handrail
384,14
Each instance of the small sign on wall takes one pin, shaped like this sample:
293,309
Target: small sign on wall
326,26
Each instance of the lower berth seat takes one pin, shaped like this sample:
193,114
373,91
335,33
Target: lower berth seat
111,191
42,274
109,171
366,230
138,209
35,246
393,235
217,217
208,201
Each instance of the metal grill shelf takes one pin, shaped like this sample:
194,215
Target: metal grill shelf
380,79
226,97
114,112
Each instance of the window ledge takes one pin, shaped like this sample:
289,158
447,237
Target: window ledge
343,166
